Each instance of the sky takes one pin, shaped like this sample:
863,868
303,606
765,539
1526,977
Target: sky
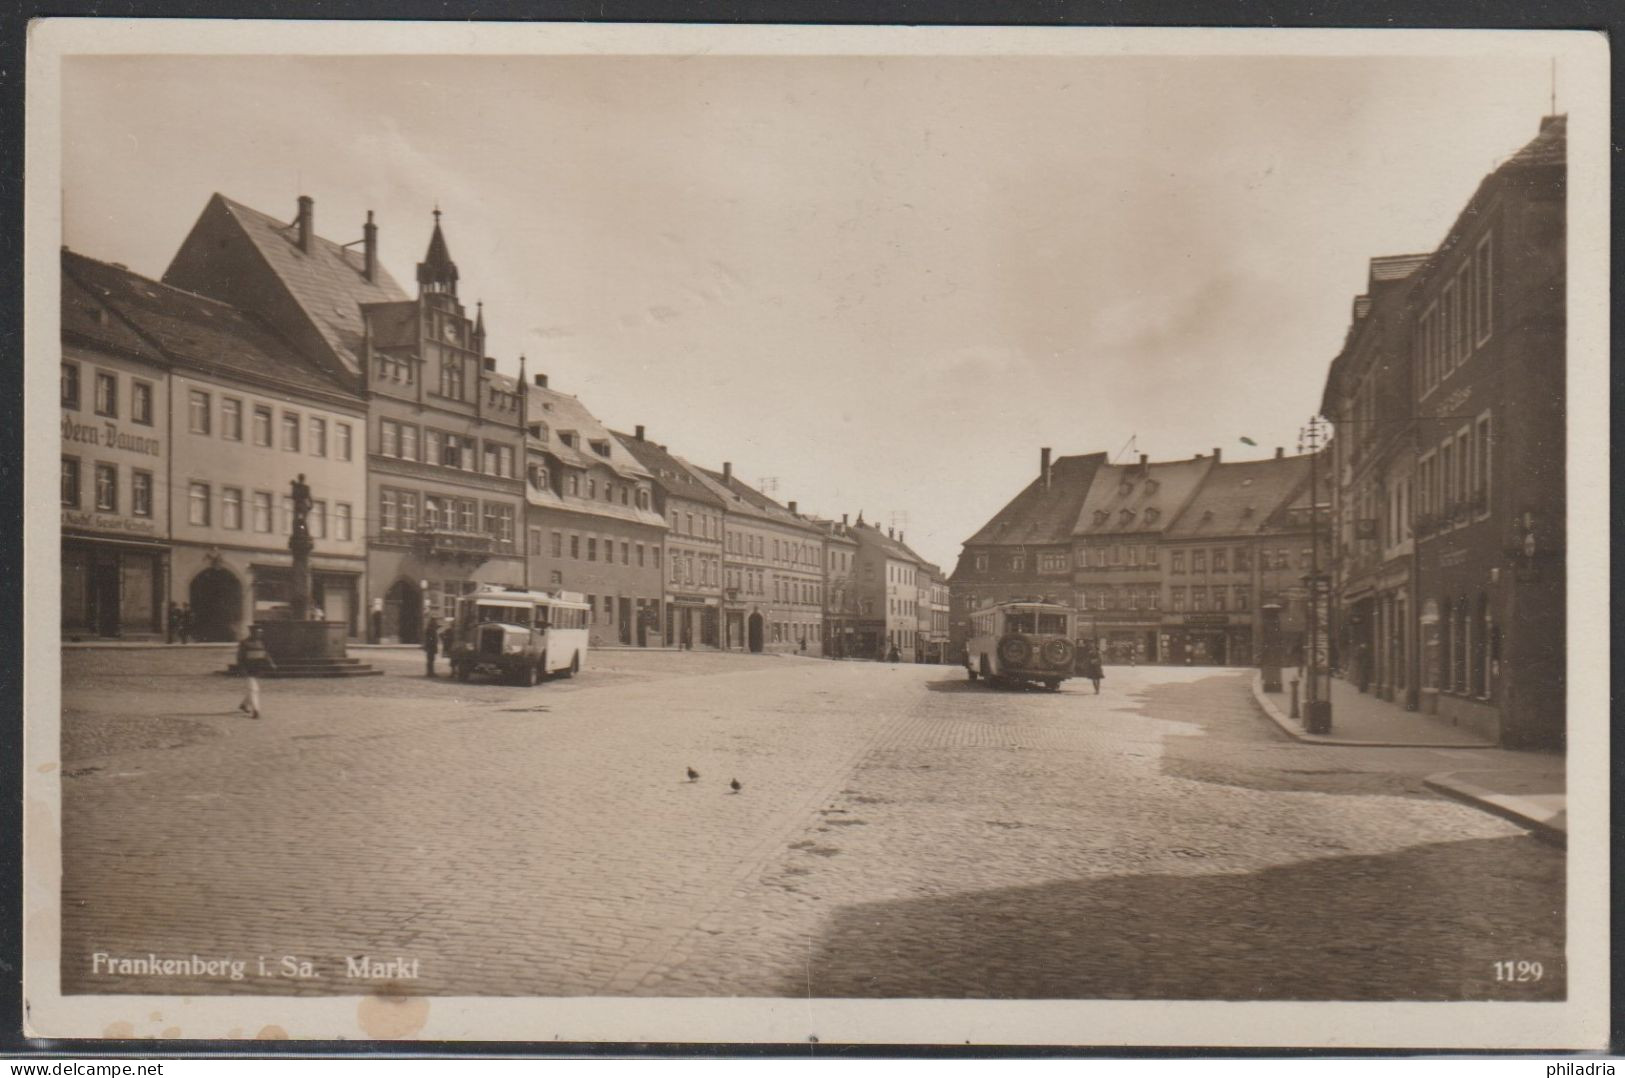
881,284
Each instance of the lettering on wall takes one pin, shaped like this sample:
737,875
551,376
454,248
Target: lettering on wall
108,436
103,522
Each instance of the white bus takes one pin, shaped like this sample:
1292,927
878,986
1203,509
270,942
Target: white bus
520,635
1015,643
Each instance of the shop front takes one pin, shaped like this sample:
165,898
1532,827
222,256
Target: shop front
1207,640
691,621
1125,641
112,587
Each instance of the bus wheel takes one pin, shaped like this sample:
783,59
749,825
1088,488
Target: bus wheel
575,665
528,675
971,672
1053,685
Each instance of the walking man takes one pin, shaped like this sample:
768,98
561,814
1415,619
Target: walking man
252,661
186,623
431,642
1091,666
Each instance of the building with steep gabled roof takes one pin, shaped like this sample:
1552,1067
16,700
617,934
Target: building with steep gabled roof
1025,550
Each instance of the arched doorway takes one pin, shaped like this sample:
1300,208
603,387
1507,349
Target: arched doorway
403,612
756,632
216,598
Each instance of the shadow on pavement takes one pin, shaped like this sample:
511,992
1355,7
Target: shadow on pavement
1397,926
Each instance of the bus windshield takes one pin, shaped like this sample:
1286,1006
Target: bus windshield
1034,621
507,615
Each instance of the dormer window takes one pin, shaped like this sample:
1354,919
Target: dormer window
1151,486
539,431
1151,515
601,448
568,437
1101,516
1126,516
1207,515
1125,488
1247,512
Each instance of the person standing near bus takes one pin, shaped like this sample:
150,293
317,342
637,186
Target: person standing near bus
1090,667
431,643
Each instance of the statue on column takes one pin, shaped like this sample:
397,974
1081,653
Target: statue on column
300,546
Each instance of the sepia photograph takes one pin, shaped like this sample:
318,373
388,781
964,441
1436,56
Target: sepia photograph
807,534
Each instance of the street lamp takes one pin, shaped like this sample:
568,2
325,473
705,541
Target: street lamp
1317,714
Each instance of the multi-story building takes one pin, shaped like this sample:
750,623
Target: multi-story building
840,597
1368,398
443,440
933,613
886,575
115,467
1283,561
591,525
693,513
1212,555
773,576
445,496
1025,551
1118,576
1488,352
247,415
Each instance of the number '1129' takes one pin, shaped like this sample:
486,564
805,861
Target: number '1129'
1518,971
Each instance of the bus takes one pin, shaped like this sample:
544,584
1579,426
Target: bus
521,636
1016,643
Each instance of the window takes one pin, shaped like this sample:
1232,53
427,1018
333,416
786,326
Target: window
1219,558
1198,598
290,431
1484,291
1176,598
231,508
1464,312
318,520
409,510
626,552
70,481
491,465
592,548
140,493
1447,478
197,496
141,403
1018,563
656,552
70,385
1243,559
640,555
197,410
341,441
389,438
1481,464
1244,598
318,437
575,483
389,517
1198,561
262,425
1218,599
1176,563
107,394
981,563
341,521
262,511
575,546
1306,559
287,515
107,488
557,541
434,447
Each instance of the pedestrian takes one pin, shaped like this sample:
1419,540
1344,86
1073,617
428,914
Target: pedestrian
1362,666
186,623
174,625
431,644
252,661
893,655
1091,666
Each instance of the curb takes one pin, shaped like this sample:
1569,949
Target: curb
1526,812
1291,728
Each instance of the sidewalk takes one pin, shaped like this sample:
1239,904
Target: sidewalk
1531,792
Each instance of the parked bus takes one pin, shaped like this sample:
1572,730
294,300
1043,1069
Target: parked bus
1015,643
522,636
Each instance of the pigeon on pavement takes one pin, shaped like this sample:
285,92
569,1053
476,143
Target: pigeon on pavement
734,783
693,775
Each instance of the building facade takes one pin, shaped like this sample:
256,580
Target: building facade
886,576
247,415
773,576
591,523
693,513
840,597
115,470
446,500
1117,575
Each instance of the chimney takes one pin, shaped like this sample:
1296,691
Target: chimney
1145,462
843,521
1215,454
1280,452
306,221
899,537
369,248
889,533
792,508
1043,465
490,363
727,471
640,432
541,381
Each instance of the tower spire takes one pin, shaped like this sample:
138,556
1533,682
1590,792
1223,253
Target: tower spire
437,272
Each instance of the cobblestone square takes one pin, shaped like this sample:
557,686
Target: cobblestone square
899,832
